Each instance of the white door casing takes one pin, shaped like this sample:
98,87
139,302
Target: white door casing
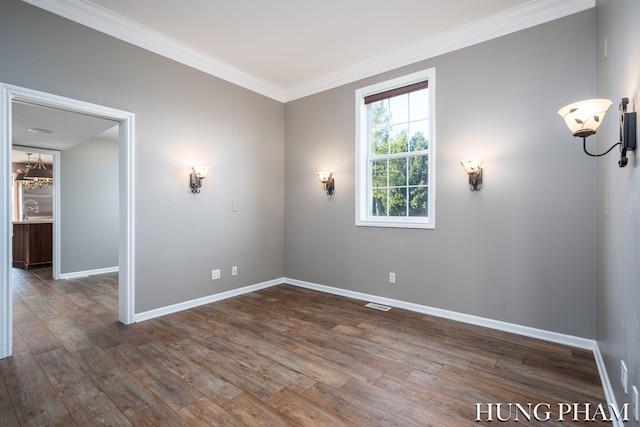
126,238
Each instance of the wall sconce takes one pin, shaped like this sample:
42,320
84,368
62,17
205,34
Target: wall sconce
198,173
583,119
326,178
472,167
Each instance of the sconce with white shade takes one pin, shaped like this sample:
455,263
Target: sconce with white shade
474,169
583,119
326,178
198,173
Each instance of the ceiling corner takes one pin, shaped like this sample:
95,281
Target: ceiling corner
529,14
107,22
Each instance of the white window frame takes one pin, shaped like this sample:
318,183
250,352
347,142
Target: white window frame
363,172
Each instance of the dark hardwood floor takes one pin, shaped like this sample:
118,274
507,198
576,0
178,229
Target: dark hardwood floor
279,356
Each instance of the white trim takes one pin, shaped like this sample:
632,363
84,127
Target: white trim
126,232
85,273
555,337
107,22
126,236
6,180
527,331
606,384
512,20
163,311
363,171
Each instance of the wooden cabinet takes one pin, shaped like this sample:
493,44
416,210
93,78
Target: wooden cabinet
32,244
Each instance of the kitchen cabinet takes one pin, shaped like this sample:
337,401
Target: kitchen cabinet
32,243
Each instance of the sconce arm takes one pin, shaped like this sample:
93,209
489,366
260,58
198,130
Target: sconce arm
627,135
584,147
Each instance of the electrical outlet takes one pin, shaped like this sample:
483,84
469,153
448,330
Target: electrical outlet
215,274
635,403
392,277
624,376
234,270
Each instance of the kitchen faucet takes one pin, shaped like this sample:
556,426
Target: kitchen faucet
29,208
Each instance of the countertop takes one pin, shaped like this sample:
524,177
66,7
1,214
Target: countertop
34,221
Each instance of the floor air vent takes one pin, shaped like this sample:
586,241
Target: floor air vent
378,306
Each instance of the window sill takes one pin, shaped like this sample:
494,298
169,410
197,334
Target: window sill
430,225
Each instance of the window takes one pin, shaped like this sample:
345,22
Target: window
395,152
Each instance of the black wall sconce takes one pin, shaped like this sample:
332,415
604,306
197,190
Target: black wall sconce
326,178
583,119
198,173
473,168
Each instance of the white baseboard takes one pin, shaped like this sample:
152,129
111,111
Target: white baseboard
77,274
606,384
556,337
163,311
570,340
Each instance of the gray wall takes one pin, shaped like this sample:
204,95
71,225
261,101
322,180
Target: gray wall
523,249
89,206
619,231
183,117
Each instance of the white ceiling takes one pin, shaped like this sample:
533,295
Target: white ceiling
287,49
67,129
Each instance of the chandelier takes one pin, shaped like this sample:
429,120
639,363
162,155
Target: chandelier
34,176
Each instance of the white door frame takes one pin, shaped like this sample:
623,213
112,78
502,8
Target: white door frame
126,238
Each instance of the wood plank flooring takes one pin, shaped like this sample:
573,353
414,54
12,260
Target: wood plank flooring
280,356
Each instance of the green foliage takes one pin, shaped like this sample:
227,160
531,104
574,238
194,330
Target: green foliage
400,181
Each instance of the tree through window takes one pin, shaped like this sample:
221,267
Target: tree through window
395,152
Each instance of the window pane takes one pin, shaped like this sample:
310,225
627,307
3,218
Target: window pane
380,127
397,172
379,202
394,142
419,135
419,104
418,170
399,106
418,201
380,142
379,173
398,201
399,139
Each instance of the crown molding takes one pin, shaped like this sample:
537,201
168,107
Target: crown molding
107,22
530,14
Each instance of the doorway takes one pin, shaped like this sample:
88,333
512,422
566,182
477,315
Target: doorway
126,286
35,202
